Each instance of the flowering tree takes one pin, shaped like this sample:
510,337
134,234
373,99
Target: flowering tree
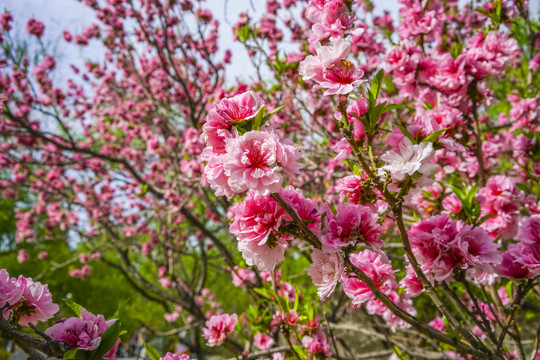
380,180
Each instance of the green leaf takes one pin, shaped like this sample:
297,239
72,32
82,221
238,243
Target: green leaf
322,220
152,353
433,137
391,107
258,121
243,33
523,188
74,306
71,354
510,289
406,133
108,339
117,312
484,218
376,113
376,84
275,111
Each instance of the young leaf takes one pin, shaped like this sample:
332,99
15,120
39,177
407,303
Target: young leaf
151,351
406,133
108,339
484,218
433,137
376,84
74,306
258,121
71,354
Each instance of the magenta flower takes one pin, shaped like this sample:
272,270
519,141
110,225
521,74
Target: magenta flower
325,271
83,333
431,242
218,328
253,160
477,248
376,267
306,209
34,27
330,70
352,223
529,232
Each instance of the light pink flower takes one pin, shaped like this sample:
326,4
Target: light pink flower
351,223
242,277
376,267
499,197
263,341
325,271
410,159
330,70
171,317
35,303
218,328
306,209
411,283
263,256
22,256
331,19
82,333
10,289
253,160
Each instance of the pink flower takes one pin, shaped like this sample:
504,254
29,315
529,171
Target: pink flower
255,218
317,346
263,341
218,328
171,317
350,187
243,277
227,113
22,256
330,19
34,27
431,241
82,333
352,223
35,303
265,257
253,160
477,248
529,232
411,283
171,356
10,289
306,209
499,197
42,255
325,271
410,159
376,267
330,70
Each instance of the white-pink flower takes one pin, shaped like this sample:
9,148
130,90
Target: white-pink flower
330,70
325,271
254,160
218,328
263,341
410,159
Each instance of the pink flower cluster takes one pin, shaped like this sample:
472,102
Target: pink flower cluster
252,161
522,259
331,19
254,221
218,327
351,224
330,70
441,245
29,301
378,268
83,333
